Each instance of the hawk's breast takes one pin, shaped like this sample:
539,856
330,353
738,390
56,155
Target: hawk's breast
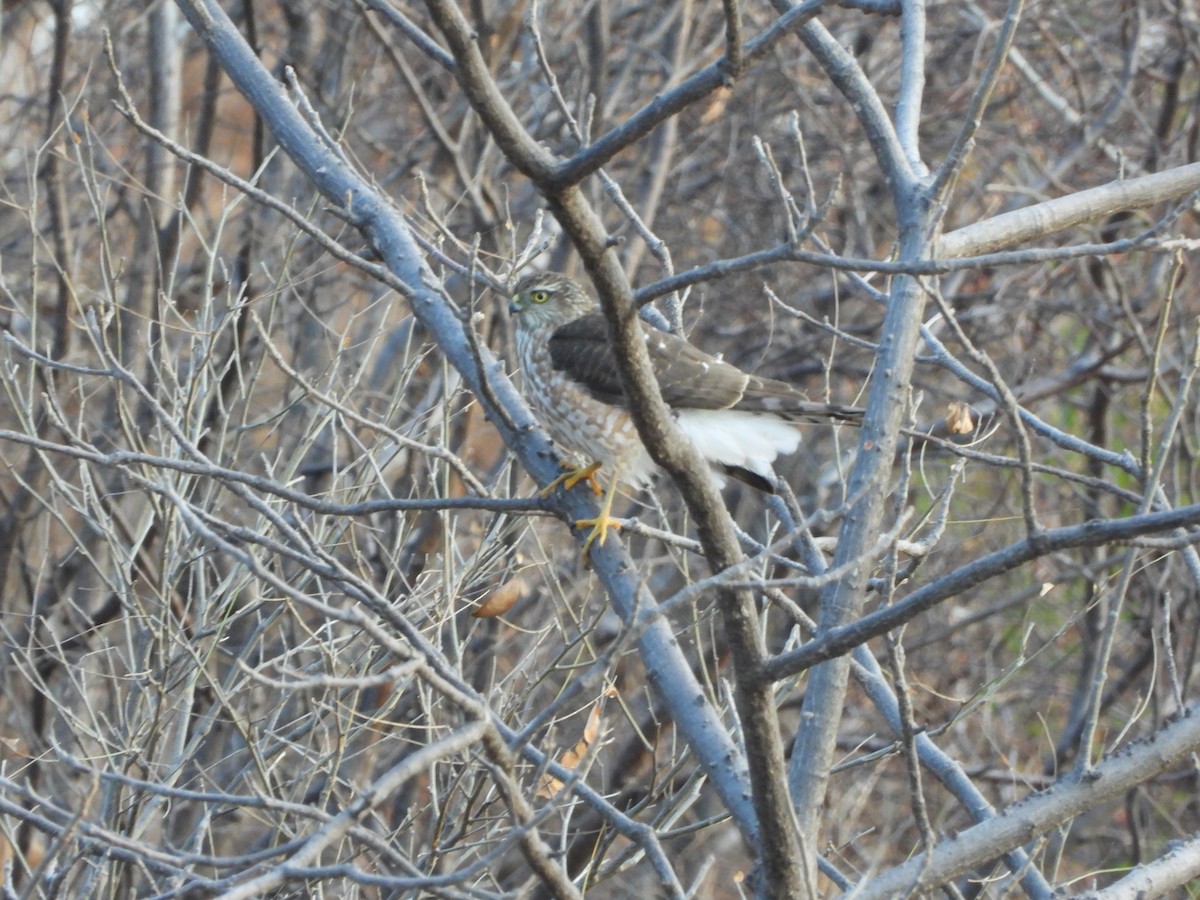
577,421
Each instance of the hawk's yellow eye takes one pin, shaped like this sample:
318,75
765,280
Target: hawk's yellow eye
539,296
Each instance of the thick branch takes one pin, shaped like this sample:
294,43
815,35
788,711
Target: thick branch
776,835
1170,872
1091,205
841,603
1039,814
836,641
778,839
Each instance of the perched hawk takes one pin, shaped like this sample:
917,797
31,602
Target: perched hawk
738,422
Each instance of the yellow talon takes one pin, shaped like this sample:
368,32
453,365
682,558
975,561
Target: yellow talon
601,524
572,477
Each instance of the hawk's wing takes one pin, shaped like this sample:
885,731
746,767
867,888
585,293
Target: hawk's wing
687,377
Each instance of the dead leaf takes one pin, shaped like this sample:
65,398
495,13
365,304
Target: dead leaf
958,419
501,600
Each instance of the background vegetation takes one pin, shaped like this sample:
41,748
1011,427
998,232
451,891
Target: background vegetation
263,466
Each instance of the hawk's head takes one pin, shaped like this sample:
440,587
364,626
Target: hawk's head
547,300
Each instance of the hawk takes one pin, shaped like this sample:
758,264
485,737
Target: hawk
738,422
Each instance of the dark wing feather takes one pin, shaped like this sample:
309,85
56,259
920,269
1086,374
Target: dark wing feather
580,350
687,377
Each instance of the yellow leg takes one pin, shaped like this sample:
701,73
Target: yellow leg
572,477
602,523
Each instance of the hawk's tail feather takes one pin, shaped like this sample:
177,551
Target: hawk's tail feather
748,477
781,399
740,443
823,414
